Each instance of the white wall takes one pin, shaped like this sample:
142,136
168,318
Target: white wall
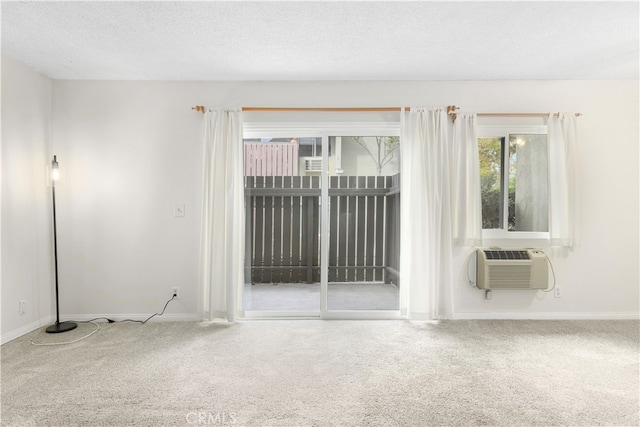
130,150
26,207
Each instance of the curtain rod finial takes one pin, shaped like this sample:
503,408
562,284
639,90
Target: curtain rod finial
451,111
199,108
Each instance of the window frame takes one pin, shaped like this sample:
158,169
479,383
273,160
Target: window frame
503,131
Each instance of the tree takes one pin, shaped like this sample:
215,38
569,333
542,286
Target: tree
385,148
490,156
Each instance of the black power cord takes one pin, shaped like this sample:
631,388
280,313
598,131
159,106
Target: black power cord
148,318
108,320
130,320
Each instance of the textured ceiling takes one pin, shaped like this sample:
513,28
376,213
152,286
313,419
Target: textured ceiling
331,40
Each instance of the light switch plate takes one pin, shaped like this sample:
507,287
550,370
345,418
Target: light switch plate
178,210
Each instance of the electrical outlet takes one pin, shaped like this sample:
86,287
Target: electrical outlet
556,292
22,307
175,292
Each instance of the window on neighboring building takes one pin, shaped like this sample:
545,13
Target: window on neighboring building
513,179
311,147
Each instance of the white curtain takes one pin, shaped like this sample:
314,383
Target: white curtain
465,179
222,240
563,197
426,213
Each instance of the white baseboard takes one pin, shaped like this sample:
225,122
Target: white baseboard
185,317
10,336
547,316
194,317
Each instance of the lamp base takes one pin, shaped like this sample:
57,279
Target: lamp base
61,327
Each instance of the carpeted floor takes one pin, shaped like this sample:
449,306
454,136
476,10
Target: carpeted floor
327,373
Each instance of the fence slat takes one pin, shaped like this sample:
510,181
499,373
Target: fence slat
333,232
315,231
379,251
371,223
276,276
286,232
249,203
268,231
361,237
307,232
342,232
351,232
258,234
296,231
263,160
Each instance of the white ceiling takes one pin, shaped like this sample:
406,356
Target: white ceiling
332,40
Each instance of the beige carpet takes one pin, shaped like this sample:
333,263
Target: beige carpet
327,373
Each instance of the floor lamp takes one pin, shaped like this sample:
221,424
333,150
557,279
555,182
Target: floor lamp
58,326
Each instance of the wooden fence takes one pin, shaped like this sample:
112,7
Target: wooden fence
270,159
283,229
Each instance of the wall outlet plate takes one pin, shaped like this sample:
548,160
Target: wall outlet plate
556,292
175,291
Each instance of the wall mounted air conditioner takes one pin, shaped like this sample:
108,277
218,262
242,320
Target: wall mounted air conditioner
312,164
511,269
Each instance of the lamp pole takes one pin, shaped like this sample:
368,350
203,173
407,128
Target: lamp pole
58,326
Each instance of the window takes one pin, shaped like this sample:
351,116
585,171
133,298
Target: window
513,179
311,147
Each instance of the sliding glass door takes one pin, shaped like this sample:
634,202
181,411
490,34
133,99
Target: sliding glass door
322,226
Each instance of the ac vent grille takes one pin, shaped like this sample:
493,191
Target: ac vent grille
501,254
515,277
313,164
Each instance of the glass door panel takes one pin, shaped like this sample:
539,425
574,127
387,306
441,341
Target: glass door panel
363,223
282,201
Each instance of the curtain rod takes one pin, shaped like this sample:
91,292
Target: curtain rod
451,110
201,109
520,114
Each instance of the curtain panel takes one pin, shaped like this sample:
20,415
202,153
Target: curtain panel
222,239
563,179
426,224
465,182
